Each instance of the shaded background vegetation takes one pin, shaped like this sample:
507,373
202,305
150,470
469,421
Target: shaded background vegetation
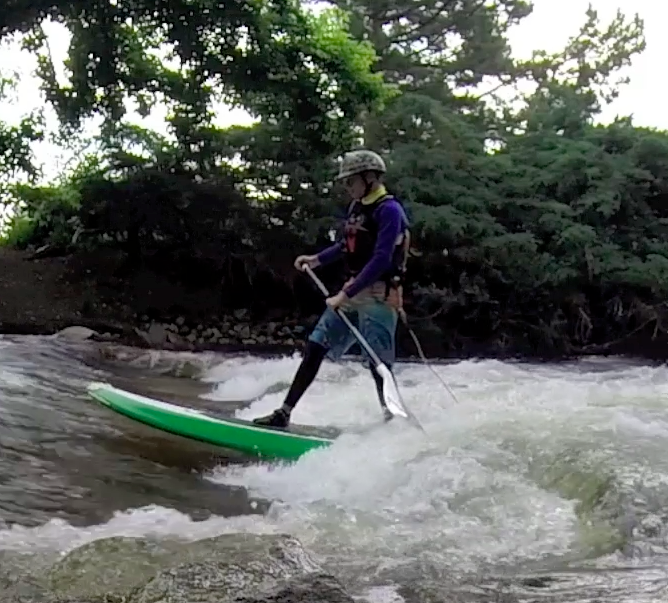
555,226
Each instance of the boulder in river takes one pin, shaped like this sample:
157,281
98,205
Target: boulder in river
224,569
76,333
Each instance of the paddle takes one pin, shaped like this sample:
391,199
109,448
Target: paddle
391,393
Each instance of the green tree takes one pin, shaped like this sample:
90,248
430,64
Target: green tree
17,162
555,227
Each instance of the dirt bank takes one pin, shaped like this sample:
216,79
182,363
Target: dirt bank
37,297
147,307
142,306
44,295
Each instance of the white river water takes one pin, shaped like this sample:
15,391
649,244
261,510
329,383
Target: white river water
535,469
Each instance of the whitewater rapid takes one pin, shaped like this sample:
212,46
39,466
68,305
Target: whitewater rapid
532,466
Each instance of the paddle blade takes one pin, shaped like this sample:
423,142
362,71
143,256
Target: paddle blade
391,392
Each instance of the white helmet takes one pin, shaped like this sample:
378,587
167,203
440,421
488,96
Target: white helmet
356,162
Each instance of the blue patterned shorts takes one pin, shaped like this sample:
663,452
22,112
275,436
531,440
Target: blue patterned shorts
377,321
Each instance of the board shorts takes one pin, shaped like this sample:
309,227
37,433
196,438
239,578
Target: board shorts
376,320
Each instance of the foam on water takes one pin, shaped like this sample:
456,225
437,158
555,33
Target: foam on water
247,378
153,521
448,501
453,498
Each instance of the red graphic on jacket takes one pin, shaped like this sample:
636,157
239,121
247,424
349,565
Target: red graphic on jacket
354,225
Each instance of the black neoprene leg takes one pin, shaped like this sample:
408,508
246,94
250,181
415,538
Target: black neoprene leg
379,383
378,380
314,354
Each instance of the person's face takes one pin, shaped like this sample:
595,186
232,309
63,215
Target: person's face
356,186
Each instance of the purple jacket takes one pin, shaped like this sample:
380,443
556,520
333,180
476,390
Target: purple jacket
392,222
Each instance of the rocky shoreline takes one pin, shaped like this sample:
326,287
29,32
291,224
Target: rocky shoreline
43,296
228,336
230,330
127,343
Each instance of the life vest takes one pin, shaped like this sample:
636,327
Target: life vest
360,234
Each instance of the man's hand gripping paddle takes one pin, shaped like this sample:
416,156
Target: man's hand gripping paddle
391,393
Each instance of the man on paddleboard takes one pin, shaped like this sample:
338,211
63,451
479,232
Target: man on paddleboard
374,249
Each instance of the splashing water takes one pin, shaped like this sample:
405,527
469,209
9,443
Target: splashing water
536,466
479,489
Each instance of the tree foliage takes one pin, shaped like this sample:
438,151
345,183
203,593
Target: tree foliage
17,160
555,226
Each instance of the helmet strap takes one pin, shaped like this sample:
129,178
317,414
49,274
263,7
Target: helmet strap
368,185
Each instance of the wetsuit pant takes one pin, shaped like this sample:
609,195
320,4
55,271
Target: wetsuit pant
376,321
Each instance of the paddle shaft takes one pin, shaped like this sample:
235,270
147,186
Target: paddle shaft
353,329
384,372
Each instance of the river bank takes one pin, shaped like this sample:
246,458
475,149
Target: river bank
145,307
42,296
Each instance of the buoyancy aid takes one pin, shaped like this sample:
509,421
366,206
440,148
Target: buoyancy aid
360,235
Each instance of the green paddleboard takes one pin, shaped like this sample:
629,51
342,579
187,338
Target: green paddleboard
235,434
